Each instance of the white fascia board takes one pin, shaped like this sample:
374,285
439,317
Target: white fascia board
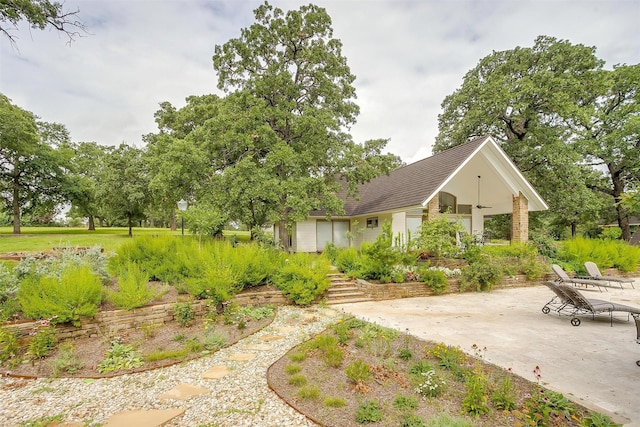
455,172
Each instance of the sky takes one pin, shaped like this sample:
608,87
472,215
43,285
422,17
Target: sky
407,56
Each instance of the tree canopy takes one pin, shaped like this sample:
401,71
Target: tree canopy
39,14
32,171
285,120
543,105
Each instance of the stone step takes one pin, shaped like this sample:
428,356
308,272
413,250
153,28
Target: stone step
333,301
343,291
356,294
344,286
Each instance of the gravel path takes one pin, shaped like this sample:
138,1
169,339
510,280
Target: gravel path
242,398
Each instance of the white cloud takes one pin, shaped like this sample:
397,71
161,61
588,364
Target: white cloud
407,56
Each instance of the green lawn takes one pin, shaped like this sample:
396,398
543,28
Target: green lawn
46,238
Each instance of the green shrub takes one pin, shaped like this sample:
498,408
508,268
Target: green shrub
154,255
9,309
438,237
63,259
67,361
334,402
333,356
482,275
309,393
541,405
451,358
504,396
256,313
596,419
8,284
158,355
134,289
405,403
303,277
445,420
217,282
78,292
214,341
358,371
8,344
368,412
43,341
348,261
405,354
475,399
292,368
253,264
298,356
119,356
297,380
421,366
412,420
183,314
605,253
436,280
430,384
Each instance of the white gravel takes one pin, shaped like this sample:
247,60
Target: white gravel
242,398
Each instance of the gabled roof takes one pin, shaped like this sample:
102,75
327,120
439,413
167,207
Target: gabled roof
415,184
399,189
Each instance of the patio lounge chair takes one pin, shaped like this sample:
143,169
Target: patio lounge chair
594,273
563,277
584,305
559,302
637,319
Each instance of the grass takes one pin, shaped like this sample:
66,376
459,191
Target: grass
38,239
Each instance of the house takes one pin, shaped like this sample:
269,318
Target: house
466,183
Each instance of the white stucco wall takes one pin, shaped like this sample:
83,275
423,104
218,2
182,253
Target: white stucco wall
364,234
399,227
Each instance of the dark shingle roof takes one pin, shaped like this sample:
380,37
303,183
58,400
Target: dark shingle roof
409,185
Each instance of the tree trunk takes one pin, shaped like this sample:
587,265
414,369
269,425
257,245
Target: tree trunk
173,220
92,224
573,229
15,203
130,227
623,222
283,235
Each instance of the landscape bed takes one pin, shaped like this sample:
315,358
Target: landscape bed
359,373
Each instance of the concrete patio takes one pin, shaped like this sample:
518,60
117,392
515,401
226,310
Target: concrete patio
593,364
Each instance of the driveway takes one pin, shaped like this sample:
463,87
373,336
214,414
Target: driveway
593,364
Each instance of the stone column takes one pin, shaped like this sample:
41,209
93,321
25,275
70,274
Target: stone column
433,208
520,219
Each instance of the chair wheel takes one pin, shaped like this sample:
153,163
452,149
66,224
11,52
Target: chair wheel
575,321
546,309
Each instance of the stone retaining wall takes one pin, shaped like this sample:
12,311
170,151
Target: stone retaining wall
387,291
109,323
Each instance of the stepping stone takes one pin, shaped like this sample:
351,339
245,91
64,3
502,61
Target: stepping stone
241,357
215,373
184,392
308,317
65,424
152,418
270,338
258,347
285,329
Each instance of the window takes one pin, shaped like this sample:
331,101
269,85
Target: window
464,209
447,202
372,222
